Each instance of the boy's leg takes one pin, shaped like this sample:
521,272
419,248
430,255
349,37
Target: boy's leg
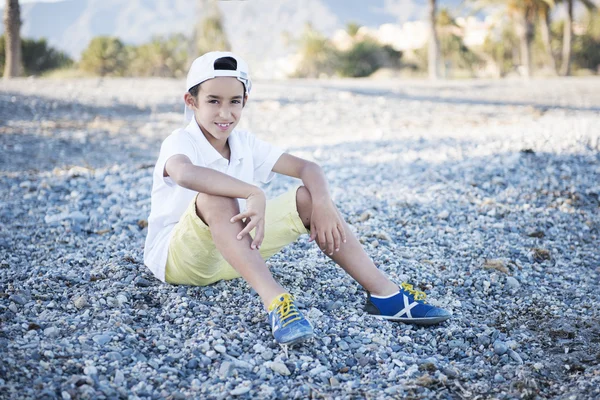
351,257
216,212
384,299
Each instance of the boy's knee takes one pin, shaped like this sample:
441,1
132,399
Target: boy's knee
211,208
304,204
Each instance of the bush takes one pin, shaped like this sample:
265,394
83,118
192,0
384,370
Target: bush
105,56
365,57
164,57
317,55
38,57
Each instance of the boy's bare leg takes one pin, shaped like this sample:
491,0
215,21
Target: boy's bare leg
216,212
351,257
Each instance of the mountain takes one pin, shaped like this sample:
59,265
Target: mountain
254,27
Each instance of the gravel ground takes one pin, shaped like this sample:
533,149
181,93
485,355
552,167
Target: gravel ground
484,194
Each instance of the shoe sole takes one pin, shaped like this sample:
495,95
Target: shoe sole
414,321
298,340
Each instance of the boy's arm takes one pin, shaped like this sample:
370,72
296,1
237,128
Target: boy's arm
325,222
206,180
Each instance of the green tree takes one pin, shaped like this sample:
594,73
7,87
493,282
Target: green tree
452,49
365,57
317,54
37,56
502,49
524,14
104,56
162,56
565,68
352,28
210,34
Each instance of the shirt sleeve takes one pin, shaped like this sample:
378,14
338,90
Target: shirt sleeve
265,156
176,143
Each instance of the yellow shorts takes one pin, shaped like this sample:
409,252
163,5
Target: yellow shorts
193,258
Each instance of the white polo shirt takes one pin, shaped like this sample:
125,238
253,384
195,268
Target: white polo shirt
251,161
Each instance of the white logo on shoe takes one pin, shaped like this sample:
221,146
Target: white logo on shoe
407,307
273,324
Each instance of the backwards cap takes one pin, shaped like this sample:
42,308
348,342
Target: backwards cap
203,69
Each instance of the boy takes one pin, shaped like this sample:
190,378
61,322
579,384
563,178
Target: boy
209,221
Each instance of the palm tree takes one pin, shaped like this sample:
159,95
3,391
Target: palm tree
434,44
565,68
544,16
12,24
524,13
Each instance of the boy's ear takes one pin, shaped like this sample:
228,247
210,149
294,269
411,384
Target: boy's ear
190,101
245,100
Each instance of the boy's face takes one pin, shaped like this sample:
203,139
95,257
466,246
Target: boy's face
218,107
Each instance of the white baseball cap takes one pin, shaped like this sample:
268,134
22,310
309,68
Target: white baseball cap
203,69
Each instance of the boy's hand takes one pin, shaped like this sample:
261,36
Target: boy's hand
326,227
253,217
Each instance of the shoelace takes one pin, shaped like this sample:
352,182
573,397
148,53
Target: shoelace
286,309
417,294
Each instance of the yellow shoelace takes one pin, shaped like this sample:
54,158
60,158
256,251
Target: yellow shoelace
287,311
417,294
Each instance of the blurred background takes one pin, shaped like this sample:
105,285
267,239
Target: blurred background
443,39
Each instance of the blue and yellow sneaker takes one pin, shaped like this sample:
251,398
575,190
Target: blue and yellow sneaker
287,322
408,306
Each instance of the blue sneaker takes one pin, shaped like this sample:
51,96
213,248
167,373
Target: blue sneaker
408,306
287,322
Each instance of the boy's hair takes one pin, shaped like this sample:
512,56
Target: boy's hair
223,64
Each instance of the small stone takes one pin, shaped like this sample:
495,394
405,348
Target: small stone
443,214
17,299
102,339
450,372
119,378
121,299
220,348
225,369
512,282
334,382
141,282
65,395
334,305
267,355
500,347
242,389
90,370
114,356
364,361
278,367
498,378
317,370
365,216
51,331
383,236
315,313
515,356
80,302
12,307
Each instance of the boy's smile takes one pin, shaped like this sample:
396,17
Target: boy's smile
218,109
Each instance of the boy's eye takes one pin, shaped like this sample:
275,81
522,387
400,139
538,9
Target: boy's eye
213,101
235,101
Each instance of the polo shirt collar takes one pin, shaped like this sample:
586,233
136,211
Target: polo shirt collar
209,153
